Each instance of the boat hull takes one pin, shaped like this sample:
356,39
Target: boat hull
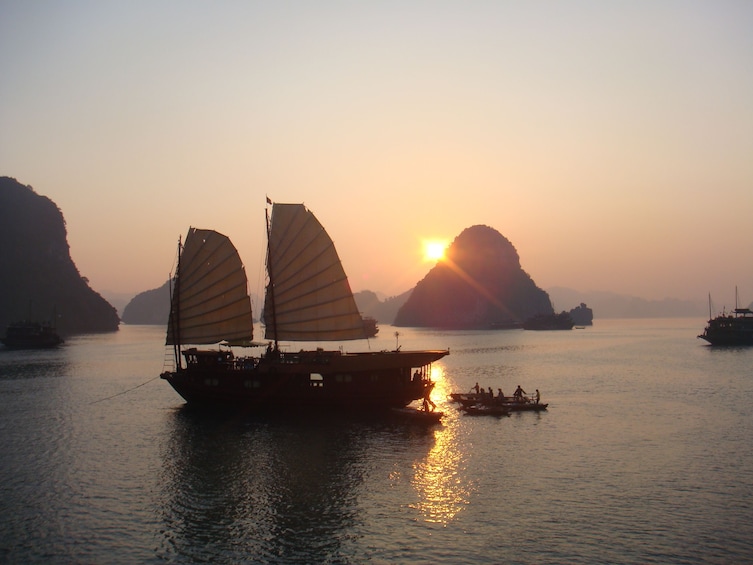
421,416
509,403
304,380
730,330
30,335
485,410
729,339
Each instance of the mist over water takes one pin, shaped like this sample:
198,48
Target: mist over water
643,456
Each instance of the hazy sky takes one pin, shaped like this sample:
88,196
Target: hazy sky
610,142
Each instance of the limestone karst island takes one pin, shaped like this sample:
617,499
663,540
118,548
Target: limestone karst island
38,279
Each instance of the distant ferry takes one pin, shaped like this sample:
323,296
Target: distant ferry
561,321
730,329
370,326
31,335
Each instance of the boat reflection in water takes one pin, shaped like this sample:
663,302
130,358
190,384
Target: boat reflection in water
264,489
286,489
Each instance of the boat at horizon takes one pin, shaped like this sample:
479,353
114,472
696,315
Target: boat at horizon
544,322
308,298
735,328
29,334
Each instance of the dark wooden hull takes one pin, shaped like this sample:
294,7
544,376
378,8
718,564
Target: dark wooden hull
730,330
729,339
481,410
421,416
508,402
729,336
30,335
304,380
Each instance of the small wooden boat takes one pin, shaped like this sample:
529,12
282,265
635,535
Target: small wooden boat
485,410
461,397
419,415
525,405
511,403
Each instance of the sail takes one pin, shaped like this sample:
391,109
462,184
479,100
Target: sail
308,296
210,300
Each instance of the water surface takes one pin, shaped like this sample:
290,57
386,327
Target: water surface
644,456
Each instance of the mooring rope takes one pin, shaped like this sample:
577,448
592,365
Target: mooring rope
125,391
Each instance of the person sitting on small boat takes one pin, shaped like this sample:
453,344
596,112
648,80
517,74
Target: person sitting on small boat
518,394
491,393
500,394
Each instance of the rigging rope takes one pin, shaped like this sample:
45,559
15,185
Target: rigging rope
125,391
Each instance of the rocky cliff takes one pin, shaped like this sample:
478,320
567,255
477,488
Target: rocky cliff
480,284
149,307
38,278
383,311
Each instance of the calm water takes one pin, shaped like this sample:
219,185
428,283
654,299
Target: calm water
644,456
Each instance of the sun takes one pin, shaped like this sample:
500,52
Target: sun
434,250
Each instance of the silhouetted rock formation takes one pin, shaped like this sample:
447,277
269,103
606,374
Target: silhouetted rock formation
37,272
612,305
582,315
149,307
152,307
384,311
480,284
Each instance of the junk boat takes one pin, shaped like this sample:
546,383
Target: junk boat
31,335
730,329
308,298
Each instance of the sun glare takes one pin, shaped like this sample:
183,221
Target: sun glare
434,250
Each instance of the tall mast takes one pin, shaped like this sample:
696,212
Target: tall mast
175,305
271,286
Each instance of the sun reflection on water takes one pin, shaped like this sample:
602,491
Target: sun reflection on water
437,478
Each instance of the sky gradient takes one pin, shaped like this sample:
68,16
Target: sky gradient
610,142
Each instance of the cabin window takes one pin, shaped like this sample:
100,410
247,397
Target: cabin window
316,380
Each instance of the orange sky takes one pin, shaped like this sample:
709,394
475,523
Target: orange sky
611,143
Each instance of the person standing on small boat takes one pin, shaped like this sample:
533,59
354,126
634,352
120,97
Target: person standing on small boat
519,392
428,404
538,396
